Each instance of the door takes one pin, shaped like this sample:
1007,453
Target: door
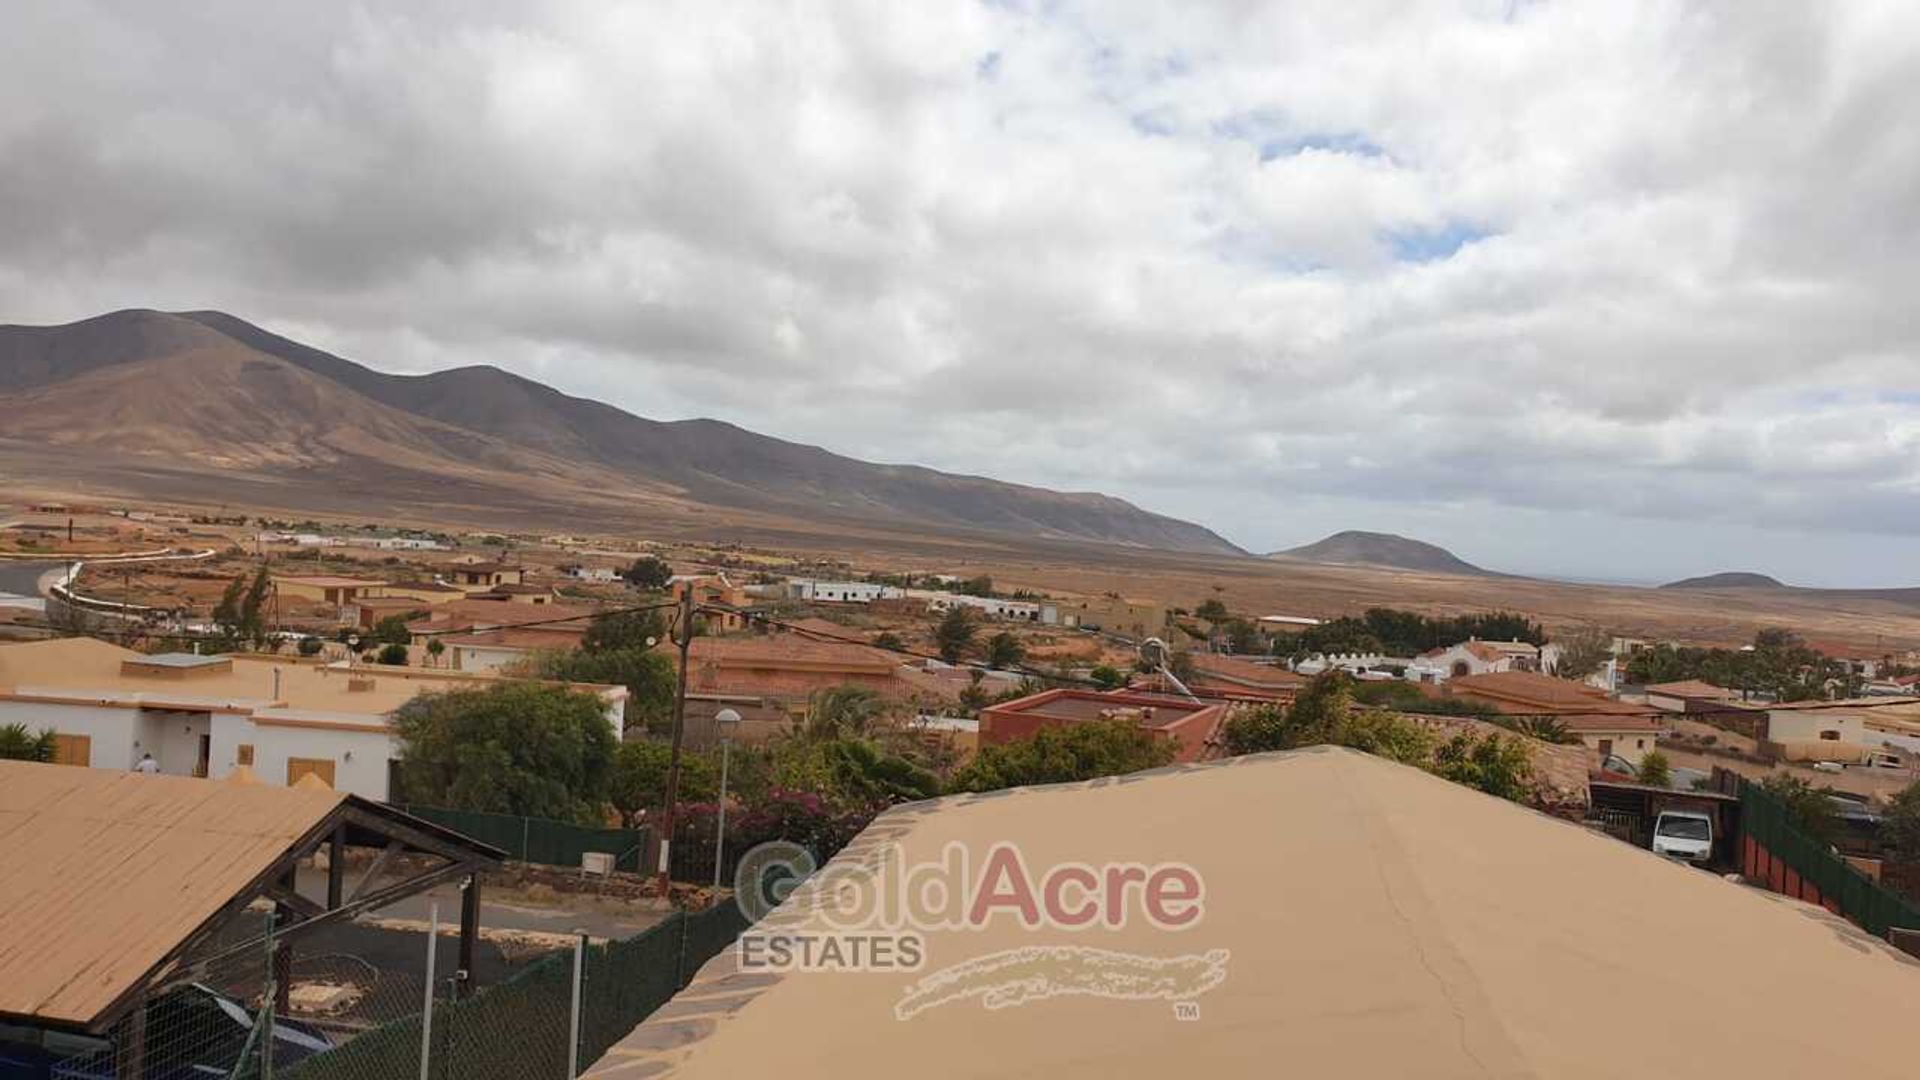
1606,749
73,749
298,767
204,756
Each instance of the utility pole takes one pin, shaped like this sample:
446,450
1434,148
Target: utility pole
679,732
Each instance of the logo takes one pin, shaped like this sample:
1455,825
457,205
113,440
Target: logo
877,912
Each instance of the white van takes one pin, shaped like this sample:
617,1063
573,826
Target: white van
1684,834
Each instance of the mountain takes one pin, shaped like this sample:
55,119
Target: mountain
1733,579
177,399
1382,549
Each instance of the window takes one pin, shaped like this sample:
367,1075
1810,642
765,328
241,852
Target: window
243,754
1830,735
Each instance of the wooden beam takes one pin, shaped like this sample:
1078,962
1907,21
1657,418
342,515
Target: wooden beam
336,865
297,908
379,863
469,931
419,839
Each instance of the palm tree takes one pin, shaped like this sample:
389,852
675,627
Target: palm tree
19,744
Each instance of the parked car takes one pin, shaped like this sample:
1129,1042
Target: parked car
1684,834
193,1032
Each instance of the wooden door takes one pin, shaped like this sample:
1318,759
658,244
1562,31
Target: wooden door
73,749
298,767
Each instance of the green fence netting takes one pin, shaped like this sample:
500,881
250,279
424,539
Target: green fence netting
520,1027
539,840
1770,823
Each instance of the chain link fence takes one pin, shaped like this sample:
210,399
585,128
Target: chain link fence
527,1026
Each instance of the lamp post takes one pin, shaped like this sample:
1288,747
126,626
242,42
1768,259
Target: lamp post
726,721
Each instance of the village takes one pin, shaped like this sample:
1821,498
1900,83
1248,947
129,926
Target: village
728,697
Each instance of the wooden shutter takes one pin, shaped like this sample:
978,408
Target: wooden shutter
298,767
73,749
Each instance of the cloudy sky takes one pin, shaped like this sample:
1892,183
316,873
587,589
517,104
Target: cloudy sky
1603,289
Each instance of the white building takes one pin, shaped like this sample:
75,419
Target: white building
281,718
991,607
599,574
1476,657
841,592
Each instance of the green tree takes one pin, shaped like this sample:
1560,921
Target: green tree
639,777
1055,755
392,630
1004,651
1810,808
1654,770
844,711
1583,653
435,647
953,634
649,677
19,744
1498,765
623,630
649,572
888,640
310,646
393,654
237,617
1107,677
865,774
1899,829
512,748
1211,611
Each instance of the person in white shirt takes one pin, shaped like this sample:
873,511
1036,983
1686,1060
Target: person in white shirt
147,765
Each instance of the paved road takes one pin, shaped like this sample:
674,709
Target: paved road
20,582
23,578
565,915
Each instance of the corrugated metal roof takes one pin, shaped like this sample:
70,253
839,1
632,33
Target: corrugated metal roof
108,872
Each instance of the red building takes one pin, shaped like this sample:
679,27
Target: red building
1192,725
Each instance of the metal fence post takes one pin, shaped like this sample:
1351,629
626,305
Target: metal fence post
573,1025
426,1008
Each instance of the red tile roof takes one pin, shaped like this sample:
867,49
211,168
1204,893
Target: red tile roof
1523,692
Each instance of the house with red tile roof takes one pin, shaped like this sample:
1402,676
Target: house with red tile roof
1192,725
1529,693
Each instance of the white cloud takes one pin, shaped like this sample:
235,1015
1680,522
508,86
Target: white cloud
1451,264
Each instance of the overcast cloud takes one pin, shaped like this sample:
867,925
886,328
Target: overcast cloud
1607,288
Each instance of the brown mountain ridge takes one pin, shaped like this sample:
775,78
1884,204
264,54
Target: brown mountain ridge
178,399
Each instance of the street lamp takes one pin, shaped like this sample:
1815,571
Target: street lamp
727,722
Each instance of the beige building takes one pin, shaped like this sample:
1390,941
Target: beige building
327,588
280,717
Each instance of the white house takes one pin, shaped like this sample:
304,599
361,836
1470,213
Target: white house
1476,657
281,718
841,592
991,607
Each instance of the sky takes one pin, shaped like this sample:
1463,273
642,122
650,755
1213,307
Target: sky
1609,290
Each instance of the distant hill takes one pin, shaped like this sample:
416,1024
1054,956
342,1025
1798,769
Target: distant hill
182,401
1382,549
1732,579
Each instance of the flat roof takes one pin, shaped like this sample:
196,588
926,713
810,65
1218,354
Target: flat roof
1405,926
88,671
328,581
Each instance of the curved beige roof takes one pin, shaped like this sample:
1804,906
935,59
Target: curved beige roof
1377,922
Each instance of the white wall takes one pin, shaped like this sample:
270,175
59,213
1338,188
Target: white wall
173,738
363,773
113,731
